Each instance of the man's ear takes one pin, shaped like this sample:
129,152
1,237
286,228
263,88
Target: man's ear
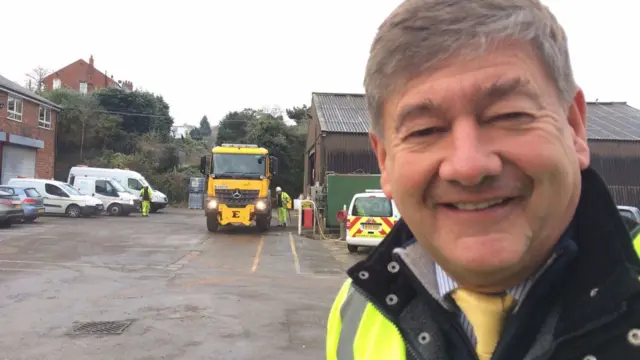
378,146
577,117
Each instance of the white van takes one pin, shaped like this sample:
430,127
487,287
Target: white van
371,216
62,198
115,198
131,180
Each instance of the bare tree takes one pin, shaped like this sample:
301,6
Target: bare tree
36,77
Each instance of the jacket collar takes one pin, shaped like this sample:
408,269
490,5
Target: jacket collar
603,274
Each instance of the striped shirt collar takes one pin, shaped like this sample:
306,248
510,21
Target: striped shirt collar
446,284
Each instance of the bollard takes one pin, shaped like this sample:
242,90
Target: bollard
341,216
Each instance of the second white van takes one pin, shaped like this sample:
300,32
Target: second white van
62,198
117,201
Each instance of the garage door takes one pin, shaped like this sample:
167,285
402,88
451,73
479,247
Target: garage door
17,161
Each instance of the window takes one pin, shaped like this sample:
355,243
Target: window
372,206
83,87
238,166
56,83
104,187
626,213
70,189
14,108
54,190
116,185
44,119
32,193
101,186
134,184
7,190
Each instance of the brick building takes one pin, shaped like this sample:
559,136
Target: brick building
27,133
83,77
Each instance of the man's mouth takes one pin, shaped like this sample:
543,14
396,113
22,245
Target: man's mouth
480,205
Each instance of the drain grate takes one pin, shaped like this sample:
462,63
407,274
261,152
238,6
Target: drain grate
100,327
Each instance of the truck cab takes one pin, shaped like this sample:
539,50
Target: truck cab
238,185
117,201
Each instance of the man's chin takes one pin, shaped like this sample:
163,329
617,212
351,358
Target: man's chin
488,253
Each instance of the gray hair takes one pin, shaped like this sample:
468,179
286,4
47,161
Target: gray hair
420,33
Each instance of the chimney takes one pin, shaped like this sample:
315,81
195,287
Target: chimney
91,60
128,84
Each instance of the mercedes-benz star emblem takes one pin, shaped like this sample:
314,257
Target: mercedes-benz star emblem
236,194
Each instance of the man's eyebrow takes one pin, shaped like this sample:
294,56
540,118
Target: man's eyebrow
426,107
504,88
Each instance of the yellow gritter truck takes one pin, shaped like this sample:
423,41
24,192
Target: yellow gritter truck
238,185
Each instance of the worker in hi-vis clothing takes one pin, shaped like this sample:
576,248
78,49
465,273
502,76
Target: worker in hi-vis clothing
635,237
145,196
282,199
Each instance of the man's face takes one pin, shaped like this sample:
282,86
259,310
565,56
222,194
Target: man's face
483,160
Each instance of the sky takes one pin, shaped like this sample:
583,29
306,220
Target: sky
212,57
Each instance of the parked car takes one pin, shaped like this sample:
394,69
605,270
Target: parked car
62,198
11,211
629,211
370,217
31,199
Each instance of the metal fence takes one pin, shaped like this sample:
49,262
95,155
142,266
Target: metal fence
197,191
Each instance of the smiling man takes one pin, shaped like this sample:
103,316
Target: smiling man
510,246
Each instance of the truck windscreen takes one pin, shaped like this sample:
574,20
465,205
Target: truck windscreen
238,165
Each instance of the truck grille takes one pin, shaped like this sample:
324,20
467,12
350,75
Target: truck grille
245,197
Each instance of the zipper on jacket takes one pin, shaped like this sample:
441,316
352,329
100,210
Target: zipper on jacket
410,349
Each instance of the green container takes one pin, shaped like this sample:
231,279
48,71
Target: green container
340,191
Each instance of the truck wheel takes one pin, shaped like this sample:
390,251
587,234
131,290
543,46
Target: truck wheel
114,210
212,223
352,248
153,209
263,224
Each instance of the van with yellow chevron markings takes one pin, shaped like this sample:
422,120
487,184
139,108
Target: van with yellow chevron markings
371,215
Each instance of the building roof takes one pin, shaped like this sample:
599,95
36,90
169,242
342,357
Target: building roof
342,113
11,87
348,113
613,121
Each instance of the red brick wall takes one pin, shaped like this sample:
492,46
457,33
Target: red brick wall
45,158
71,76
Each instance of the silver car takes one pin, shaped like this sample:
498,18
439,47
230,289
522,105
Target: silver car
11,211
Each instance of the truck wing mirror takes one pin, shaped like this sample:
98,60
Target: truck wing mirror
274,165
203,165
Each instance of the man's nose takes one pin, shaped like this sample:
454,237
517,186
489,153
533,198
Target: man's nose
470,157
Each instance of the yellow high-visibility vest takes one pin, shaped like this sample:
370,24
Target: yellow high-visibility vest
636,244
356,330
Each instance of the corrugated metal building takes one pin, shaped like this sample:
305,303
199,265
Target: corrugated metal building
338,142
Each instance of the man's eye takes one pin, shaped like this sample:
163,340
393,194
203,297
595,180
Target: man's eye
511,116
427,131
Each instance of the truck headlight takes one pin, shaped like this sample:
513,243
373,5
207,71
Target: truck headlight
261,205
212,204
130,201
